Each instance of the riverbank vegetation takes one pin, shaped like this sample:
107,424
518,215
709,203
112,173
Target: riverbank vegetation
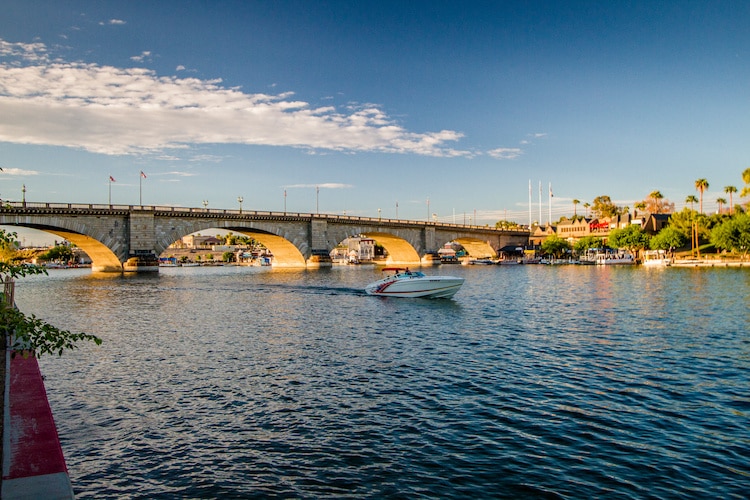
22,333
725,233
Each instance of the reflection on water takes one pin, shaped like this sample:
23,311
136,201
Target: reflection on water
533,381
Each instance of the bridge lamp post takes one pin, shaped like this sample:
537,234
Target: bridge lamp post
240,199
205,204
317,196
378,214
428,208
23,190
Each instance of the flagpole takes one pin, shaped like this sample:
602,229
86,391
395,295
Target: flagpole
110,191
140,189
550,203
540,203
530,216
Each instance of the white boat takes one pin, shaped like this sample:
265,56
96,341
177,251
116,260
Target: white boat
482,262
614,259
656,258
412,284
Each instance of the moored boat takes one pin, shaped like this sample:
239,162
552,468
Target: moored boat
414,284
614,259
656,258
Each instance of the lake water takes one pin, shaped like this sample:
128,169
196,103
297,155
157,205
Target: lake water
533,381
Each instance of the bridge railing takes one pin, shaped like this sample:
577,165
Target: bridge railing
22,205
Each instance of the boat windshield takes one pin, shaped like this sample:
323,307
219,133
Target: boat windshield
412,274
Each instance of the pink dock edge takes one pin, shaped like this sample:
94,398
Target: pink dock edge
33,461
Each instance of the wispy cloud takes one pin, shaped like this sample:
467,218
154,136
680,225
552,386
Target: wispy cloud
505,153
530,137
325,185
17,171
146,54
112,22
122,111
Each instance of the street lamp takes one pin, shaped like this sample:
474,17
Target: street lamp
205,204
428,208
23,190
378,214
317,195
240,199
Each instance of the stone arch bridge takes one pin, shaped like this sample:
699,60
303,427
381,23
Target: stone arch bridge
131,238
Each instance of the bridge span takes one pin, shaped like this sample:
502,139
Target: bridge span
130,238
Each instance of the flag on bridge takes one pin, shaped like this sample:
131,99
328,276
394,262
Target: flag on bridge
112,179
142,174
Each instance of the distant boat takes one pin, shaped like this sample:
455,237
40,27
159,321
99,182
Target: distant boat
614,259
656,258
482,262
414,284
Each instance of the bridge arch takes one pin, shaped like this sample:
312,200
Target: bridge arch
98,248
285,252
476,248
400,251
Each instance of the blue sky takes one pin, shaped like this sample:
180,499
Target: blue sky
382,105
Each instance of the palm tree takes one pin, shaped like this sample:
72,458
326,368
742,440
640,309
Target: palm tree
721,202
729,190
575,204
639,206
701,185
655,196
691,199
746,180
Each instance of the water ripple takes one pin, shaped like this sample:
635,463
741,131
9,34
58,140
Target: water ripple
534,382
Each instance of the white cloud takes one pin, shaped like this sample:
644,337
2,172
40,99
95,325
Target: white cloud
112,22
146,54
31,52
118,111
505,153
17,171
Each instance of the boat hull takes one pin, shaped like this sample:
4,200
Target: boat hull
431,287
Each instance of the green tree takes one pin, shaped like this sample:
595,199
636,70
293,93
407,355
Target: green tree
684,219
701,185
583,244
506,224
603,207
586,205
733,234
555,246
58,252
632,237
669,238
227,257
29,334
575,206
